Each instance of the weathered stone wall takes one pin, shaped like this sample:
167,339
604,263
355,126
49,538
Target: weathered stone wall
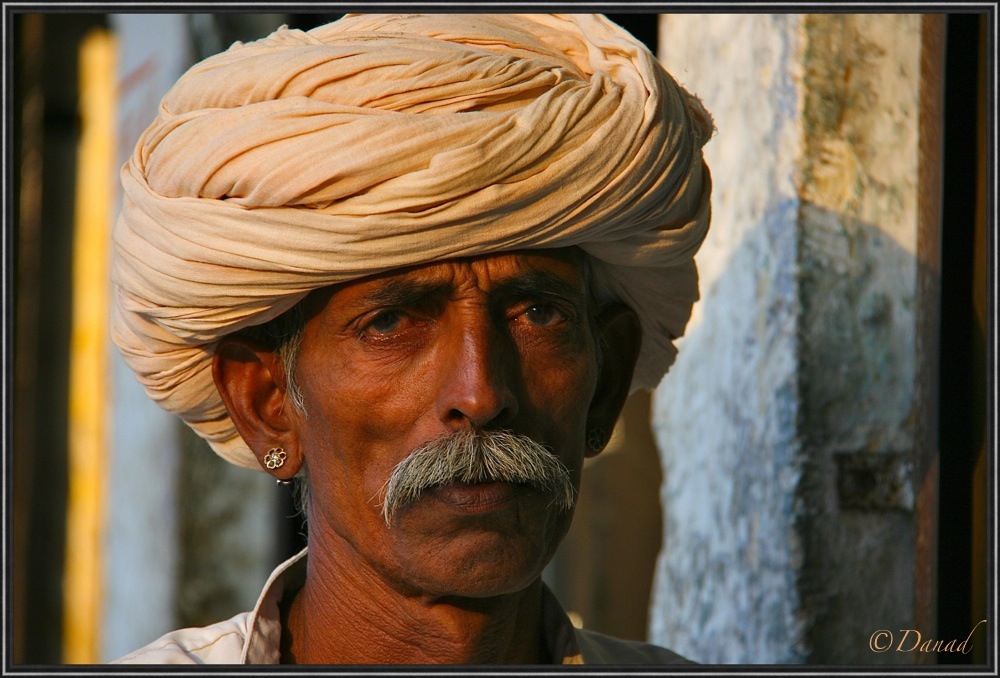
858,285
789,426
725,416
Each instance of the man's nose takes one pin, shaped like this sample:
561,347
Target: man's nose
479,366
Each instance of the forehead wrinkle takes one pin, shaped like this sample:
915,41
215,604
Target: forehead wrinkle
406,291
538,283
488,273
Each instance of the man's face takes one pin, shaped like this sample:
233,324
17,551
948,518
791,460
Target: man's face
393,361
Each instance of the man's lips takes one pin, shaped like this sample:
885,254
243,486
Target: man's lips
476,497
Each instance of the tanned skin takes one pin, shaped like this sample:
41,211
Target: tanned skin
389,362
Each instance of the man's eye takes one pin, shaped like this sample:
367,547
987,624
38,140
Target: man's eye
544,315
386,322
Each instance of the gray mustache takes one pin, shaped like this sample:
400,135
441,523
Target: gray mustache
477,457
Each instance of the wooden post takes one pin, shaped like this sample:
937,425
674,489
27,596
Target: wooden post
83,578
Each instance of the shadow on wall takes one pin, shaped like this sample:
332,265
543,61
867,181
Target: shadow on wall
790,432
864,418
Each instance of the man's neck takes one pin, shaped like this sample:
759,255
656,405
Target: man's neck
345,615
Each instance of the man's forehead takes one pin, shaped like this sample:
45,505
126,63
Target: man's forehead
485,271
492,267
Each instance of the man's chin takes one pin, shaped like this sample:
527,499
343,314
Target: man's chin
478,542
482,583
470,597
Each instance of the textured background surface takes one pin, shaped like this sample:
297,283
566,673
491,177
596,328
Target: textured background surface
725,415
802,352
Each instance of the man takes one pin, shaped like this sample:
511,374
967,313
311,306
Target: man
418,262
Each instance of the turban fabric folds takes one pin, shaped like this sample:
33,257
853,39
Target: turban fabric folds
312,158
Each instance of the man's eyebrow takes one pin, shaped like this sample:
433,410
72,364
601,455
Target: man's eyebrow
539,284
405,293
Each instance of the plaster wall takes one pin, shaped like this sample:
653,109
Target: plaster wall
859,291
787,427
725,415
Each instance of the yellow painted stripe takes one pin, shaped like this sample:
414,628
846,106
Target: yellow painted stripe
88,379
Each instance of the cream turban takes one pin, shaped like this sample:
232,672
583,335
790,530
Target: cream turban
312,158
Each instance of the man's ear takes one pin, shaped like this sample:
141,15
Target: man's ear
620,335
251,381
